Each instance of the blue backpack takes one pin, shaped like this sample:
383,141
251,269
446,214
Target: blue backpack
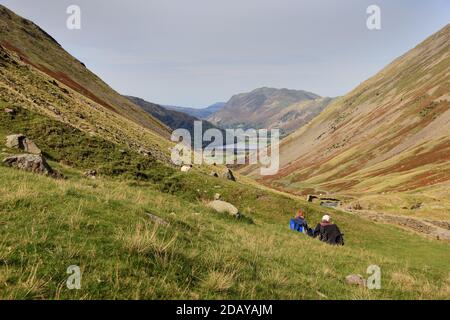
298,225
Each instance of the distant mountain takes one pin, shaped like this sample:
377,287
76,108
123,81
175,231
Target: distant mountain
270,108
390,134
172,118
202,113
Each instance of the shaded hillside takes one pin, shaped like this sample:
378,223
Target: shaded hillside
37,48
390,134
270,108
202,113
173,119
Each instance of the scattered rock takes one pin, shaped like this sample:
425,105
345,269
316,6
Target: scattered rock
217,196
186,168
31,147
355,279
224,207
214,174
15,141
416,206
229,175
144,152
10,111
356,206
157,219
91,174
31,162
19,141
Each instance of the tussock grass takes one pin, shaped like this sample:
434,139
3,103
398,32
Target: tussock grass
100,225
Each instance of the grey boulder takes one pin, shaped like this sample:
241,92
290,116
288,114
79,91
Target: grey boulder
224,207
19,141
31,162
355,279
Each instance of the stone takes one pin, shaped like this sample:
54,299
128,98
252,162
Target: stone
31,162
355,279
186,168
10,111
157,219
15,141
214,174
19,141
229,175
224,207
416,206
31,147
356,206
144,152
217,196
91,174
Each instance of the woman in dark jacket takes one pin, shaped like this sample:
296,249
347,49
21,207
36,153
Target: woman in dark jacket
329,232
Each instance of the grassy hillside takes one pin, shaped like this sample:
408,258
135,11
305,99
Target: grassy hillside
390,135
38,49
23,86
69,146
100,225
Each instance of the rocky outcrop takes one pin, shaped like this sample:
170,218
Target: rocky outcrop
144,152
229,175
186,168
19,141
31,162
91,174
224,207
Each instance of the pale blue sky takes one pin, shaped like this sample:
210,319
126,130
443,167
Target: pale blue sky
196,52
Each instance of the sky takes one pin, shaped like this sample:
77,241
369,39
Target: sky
196,52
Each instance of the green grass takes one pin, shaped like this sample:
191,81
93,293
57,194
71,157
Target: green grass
63,143
100,225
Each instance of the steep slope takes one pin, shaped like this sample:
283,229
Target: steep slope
37,74
270,108
173,119
390,134
202,113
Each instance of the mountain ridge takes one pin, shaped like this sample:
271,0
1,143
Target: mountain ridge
270,108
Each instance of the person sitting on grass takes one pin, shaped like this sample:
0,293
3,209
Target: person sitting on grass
328,232
299,222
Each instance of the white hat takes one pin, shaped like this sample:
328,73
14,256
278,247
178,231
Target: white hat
326,218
